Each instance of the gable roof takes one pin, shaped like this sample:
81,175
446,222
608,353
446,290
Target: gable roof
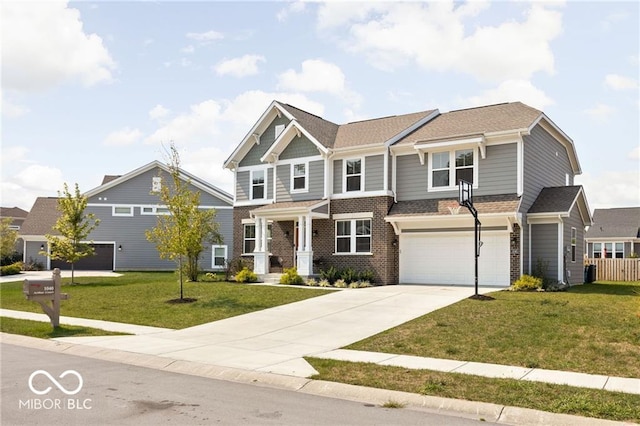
195,181
323,131
108,178
615,223
13,212
476,121
42,217
560,200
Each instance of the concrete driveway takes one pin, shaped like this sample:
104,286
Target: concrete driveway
275,340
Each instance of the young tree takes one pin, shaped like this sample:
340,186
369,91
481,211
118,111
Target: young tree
8,239
181,235
74,226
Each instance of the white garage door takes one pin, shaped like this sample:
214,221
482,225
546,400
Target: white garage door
448,258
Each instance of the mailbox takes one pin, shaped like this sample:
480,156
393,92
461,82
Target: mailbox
38,288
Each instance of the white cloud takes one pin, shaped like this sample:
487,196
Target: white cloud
317,75
44,45
290,9
39,177
434,36
634,154
13,154
158,112
123,137
198,125
611,189
511,91
239,67
206,37
11,109
24,186
188,49
600,112
618,82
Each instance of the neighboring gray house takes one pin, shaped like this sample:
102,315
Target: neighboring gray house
615,233
127,206
17,216
382,195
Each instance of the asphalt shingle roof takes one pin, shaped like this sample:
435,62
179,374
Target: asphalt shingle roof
615,223
323,130
555,199
475,121
507,203
14,212
42,217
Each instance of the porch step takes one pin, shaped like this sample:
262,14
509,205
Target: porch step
270,278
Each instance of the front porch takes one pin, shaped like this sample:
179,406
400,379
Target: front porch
292,243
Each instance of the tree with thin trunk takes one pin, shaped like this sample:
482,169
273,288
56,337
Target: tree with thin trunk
181,235
74,226
8,238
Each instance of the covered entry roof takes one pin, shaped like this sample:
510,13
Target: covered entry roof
293,209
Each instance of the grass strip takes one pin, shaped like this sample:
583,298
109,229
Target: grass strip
43,330
517,393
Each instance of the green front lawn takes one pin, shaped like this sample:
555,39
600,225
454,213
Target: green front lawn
43,330
143,298
592,328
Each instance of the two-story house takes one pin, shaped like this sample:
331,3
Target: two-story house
382,195
127,206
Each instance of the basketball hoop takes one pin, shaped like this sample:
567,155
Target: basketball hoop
464,192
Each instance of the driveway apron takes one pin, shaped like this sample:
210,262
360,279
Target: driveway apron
275,340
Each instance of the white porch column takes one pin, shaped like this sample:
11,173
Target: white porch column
260,256
301,233
307,234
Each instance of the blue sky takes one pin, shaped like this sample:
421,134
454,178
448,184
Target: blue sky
95,88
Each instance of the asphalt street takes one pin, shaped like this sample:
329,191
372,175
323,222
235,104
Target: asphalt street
41,387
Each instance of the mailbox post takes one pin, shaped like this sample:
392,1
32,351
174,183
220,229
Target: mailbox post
44,291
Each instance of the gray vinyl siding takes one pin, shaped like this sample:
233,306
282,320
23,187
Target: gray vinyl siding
497,174
542,167
498,171
266,140
576,268
299,147
137,190
544,247
411,178
337,177
374,173
139,254
243,185
315,184
32,253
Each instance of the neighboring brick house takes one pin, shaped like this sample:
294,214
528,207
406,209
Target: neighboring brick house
382,195
127,206
615,233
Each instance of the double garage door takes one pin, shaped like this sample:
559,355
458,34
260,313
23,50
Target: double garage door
101,261
448,258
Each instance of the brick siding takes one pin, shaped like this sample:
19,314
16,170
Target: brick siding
514,241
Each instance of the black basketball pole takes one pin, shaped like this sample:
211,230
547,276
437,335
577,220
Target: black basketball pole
467,201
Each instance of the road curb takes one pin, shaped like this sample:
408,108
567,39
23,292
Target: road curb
366,395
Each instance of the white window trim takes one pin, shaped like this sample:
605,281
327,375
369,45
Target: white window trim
277,127
453,185
252,222
244,237
306,177
154,211
213,256
352,237
613,248
266,183
344,175
156,184
574,243
113,211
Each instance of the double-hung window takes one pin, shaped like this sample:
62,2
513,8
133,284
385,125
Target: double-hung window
353,236
353,175
299,177
249,240
219,254
574,240
608,250
448,168
258,184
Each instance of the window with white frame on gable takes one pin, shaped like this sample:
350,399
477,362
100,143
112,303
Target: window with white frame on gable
299,177
258,184
156,184
353,236
450,167
353,175
219,254
249,240
279,128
